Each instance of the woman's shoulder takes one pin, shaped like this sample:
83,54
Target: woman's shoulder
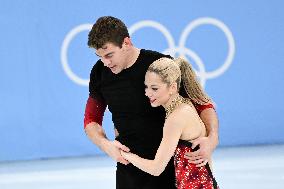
182,114
185,109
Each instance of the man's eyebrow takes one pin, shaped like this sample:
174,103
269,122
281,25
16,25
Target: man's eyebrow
109,53
104,55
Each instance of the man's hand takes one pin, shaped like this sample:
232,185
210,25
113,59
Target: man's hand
203,154
124,154
113,150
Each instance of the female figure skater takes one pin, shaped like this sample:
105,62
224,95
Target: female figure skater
182,125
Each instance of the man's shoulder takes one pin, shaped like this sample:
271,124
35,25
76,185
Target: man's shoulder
149,56
154,54
98,65
97,69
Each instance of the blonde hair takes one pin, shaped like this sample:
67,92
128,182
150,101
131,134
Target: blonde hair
179,70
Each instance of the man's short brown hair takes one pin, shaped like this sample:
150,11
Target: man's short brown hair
107,29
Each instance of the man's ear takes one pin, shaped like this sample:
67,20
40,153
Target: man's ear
127,41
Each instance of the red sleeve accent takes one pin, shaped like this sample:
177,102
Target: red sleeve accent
200,107
94,111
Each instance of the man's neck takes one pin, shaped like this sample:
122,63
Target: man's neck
134,54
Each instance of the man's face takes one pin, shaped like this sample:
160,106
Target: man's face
113,57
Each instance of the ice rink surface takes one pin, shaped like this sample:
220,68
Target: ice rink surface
253,167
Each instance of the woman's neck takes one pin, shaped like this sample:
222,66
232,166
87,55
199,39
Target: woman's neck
171,100
174,101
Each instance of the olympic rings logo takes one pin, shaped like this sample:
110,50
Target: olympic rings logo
172,50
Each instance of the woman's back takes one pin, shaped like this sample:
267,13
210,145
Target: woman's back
184,113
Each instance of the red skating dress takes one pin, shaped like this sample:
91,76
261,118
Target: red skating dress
188,176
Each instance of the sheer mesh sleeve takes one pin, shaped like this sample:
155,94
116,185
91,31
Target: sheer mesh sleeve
94,111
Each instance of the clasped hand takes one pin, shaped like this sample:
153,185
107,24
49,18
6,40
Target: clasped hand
114,151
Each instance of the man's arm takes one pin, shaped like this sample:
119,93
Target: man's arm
97,135
207,144
92,123
210,119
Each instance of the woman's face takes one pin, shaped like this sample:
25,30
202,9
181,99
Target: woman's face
156,90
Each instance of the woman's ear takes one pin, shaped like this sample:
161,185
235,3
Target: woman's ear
173,88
